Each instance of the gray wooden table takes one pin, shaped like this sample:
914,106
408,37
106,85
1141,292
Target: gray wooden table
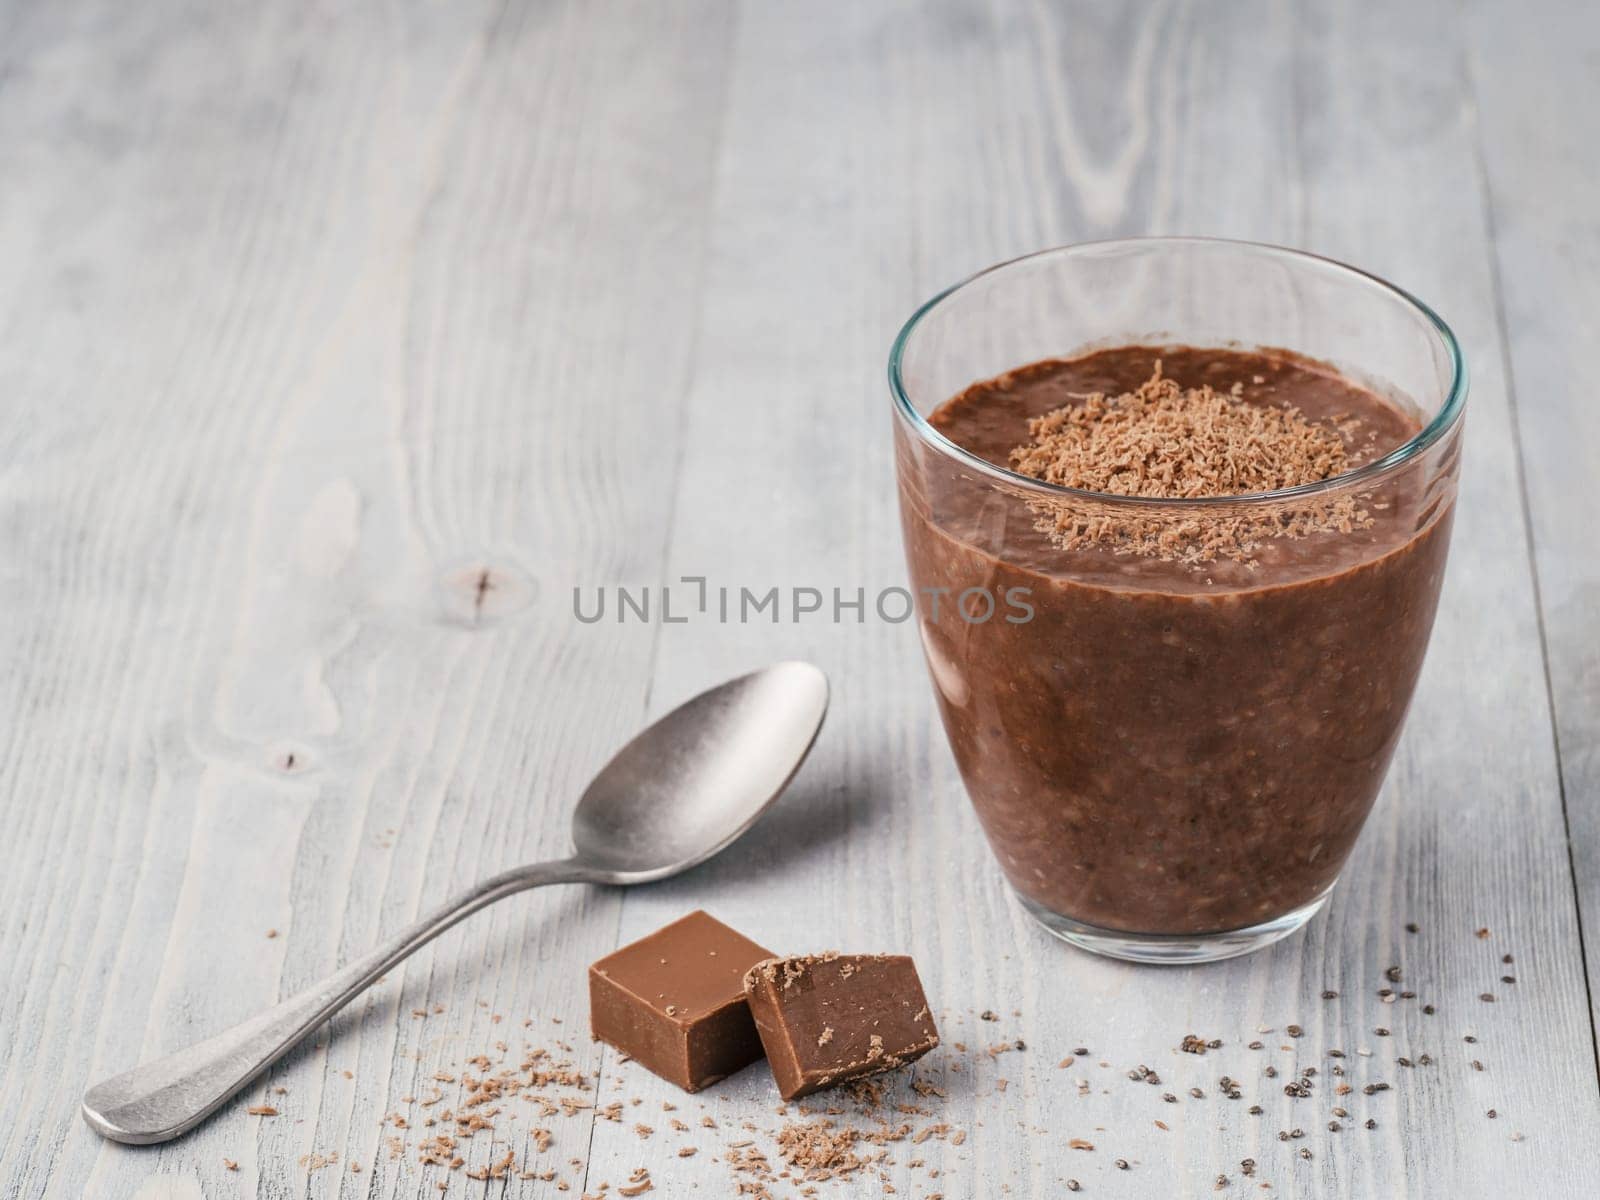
339,343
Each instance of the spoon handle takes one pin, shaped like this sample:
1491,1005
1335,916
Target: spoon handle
170,1096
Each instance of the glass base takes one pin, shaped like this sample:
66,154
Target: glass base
1173,948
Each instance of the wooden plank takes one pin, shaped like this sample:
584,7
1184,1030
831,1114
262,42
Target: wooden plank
1534,71
315,330
867,161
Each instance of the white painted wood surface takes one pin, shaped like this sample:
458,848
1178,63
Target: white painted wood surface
338,344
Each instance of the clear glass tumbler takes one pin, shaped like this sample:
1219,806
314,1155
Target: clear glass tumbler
1172,757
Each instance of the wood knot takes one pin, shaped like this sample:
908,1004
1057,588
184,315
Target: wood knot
482,593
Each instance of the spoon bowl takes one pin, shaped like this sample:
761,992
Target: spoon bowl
700,776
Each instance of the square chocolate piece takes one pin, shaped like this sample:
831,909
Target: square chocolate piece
828,1018
674,1001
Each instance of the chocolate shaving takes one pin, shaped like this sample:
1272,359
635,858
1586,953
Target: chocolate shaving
1164,441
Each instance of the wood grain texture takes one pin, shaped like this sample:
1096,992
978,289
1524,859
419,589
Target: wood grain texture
1535,75
339,345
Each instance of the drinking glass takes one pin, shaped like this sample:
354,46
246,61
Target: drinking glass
1172,757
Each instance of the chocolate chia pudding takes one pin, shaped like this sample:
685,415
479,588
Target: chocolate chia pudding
1177,717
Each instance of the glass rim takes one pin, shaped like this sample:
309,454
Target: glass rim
1442,421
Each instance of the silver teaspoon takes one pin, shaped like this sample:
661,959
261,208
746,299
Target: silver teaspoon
679,792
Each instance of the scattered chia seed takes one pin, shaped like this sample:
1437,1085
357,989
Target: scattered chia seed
1381,1031
1403,1061
1334,1127
1506,958
1222,1182
1330,994
1425,1060
1340,1112
1508,979
1427,1010
1335,1053
1247,1167
1197,1093
1493,1114
1293,1031
1469,1038
1392,974
1305,1152
1256,1110
1255,1045
1271,1072
1476,1065
1169,1097
1373,1089
1081,1051
1487,997
1412,927
1074,1186
1122,1164
1371,1124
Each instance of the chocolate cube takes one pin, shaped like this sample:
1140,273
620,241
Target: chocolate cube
825,1019
674,1001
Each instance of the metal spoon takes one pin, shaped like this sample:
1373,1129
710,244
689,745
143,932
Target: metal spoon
671,798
